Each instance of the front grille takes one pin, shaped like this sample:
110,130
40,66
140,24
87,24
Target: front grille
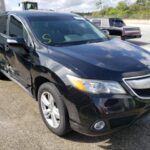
120,122
139,86
143,92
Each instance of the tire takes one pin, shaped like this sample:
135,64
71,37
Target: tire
123,38
55,109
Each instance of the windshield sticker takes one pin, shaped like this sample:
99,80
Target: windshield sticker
46,38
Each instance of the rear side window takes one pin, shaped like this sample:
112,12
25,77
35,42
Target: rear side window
3,24
97,23
15,28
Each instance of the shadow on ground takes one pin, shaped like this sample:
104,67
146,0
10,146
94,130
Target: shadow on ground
139,43
136,137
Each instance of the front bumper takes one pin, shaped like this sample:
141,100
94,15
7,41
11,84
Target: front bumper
117,111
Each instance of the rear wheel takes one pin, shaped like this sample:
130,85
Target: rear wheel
53,109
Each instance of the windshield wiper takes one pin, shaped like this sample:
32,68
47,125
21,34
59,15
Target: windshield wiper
78,42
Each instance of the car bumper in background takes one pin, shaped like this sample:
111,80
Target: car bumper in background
131,35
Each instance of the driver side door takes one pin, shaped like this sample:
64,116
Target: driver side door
19,57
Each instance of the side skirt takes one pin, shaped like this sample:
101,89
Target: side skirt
9,77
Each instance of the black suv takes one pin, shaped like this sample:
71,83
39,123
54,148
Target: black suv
82,80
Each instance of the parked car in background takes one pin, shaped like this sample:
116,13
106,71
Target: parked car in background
81,79
117,27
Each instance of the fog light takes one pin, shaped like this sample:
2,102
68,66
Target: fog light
99,125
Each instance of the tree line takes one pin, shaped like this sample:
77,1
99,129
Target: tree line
138,10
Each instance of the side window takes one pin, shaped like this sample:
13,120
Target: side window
97,23
15,28
111,22
3,24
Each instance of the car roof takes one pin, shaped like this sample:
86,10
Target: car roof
27,13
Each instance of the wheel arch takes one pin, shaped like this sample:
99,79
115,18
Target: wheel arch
48,77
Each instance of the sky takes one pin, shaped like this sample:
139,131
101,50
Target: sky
66,5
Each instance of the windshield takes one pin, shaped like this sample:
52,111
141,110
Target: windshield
68,30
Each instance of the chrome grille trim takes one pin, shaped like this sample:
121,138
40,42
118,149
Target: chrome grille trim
139,83
134,78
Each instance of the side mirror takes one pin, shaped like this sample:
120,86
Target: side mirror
16,41
106,32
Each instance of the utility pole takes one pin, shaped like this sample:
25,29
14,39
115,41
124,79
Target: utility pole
99,4
2,6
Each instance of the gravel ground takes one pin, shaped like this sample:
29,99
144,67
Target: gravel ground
21,127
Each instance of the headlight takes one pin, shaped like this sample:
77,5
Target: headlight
96,87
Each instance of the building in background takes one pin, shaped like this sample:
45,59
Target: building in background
2,6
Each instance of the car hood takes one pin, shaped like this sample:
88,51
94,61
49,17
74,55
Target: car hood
112,55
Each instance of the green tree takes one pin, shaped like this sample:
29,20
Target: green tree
143,3
139,10
122,6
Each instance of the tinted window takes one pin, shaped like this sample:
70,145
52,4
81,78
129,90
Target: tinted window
97,23
116,23
30,5
62,30
15,28
3,24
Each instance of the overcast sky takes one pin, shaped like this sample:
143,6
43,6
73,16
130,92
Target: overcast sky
66,5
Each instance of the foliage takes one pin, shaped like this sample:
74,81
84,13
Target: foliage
139,10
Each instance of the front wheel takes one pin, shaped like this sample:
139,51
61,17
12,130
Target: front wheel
123,38
53,109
